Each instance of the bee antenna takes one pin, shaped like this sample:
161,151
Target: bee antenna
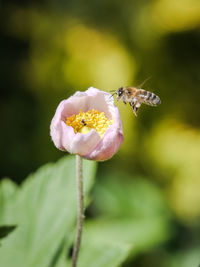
113,94
140,85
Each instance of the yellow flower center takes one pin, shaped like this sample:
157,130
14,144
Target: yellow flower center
84,122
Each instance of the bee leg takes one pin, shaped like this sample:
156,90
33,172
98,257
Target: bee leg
135,109
125,102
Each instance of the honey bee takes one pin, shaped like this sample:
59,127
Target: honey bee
83,122
135,97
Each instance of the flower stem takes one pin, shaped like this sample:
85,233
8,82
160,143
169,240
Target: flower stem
80,215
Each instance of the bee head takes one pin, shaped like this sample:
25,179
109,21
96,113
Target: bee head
120,92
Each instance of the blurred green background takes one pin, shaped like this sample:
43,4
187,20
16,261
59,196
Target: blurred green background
50,49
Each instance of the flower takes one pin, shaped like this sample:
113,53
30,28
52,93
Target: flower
88,124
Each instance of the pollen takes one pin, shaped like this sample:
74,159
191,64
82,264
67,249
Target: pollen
84,122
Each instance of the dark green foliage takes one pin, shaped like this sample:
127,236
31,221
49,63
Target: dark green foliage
6,230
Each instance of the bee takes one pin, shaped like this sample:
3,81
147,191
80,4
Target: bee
135,97
83,122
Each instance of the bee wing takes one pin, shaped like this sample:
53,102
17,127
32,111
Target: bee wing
141,84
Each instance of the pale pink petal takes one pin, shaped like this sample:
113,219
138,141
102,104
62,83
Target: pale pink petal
111,141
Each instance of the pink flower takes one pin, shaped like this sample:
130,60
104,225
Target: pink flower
89,124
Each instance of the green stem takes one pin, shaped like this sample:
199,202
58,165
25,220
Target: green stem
80,215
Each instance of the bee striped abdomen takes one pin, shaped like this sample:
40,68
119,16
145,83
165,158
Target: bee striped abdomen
149,98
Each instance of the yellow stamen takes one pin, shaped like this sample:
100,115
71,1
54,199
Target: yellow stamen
84,122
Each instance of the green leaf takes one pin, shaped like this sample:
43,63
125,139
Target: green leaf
8,194
140,235
101,254
130,196
186,258
44,208
131,211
